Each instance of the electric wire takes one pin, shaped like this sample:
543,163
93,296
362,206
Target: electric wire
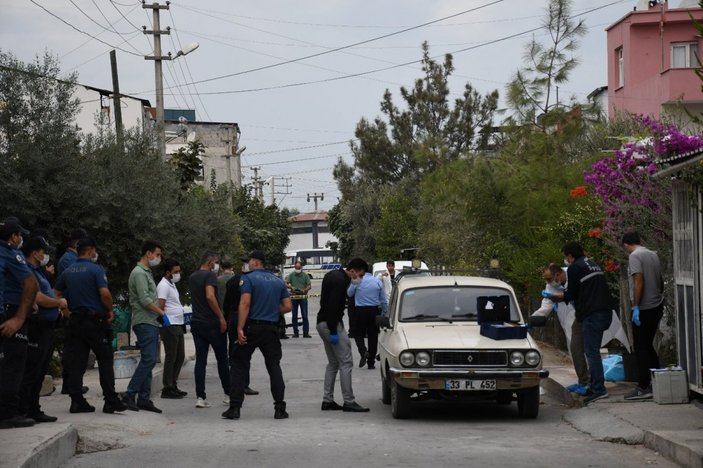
284,150
289,161
93,20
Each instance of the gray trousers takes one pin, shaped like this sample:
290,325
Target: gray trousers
578,354
340,359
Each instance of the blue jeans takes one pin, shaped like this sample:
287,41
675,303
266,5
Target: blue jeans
204,336
593,327
303,304
148,343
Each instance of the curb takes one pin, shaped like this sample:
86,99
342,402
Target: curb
559,393
54,451
683,454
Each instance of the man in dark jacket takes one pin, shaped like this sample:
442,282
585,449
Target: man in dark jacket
588,289
337,343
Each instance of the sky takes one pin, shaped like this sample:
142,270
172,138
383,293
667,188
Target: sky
239,74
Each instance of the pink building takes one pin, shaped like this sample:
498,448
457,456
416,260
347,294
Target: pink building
652,54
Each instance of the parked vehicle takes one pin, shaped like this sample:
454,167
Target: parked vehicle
431,346
316,262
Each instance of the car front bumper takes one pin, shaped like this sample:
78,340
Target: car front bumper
435,379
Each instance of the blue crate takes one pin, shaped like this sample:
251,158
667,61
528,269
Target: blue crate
503,331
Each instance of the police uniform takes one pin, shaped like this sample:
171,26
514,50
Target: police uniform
261,329
40,335
13,272
88,327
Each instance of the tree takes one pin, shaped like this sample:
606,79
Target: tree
531,92
188,164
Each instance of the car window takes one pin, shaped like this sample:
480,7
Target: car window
451,303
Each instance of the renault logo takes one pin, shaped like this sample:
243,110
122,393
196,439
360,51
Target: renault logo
470,358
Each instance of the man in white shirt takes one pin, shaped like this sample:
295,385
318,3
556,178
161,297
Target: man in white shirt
172,335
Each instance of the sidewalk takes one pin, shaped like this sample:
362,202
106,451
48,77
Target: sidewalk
52,444
675,431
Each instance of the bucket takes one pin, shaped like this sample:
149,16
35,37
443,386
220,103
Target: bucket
124,366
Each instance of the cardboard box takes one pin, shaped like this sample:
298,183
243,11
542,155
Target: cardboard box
669,386
503,331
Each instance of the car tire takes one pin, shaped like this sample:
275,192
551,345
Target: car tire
400,401
385,391
528,402
504,397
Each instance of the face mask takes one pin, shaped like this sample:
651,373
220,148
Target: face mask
566,262
298,270
176,278
21,243
154,261
45,260
216,267
95,258
356,281
245,268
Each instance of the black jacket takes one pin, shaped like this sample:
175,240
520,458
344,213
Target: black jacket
333,298
230,306
587,288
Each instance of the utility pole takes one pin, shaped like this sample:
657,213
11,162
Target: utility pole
158,72
258,184
315,196
116,101
271,181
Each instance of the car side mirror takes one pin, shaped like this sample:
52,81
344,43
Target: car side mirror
383,322
537,321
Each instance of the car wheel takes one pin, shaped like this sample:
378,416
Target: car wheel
504,397
400,401
528,402
385,391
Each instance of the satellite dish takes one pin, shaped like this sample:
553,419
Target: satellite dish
191,137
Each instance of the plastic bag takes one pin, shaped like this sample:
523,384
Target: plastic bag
613,368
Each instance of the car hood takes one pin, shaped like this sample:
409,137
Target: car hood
456,336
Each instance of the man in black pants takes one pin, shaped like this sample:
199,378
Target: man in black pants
369,301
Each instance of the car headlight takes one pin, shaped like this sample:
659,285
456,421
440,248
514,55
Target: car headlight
423,359
532,358
517,358
407,358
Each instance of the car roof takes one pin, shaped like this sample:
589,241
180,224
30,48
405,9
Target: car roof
410,281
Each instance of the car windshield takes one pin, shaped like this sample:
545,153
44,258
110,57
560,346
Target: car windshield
453,303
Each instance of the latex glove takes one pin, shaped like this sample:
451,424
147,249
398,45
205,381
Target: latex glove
636,315
167,322
334,339
547,295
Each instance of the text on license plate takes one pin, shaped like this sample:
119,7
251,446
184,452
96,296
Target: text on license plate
466,384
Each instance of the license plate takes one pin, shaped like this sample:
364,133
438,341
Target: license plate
469,385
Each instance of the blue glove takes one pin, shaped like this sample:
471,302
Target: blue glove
163,320
547,295
334,339
636,315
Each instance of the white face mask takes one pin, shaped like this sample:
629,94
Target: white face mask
298,270
45,260
21,243
216,267
245,268
176,278
566,262
154,261
95,258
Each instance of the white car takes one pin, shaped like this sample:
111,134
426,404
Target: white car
431,345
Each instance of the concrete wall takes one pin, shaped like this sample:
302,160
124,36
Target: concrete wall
92,105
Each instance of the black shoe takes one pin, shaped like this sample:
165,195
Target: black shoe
231,413
250,391
364,358
371,366
179,391
16,421
284,337
84,390
130,403
294,335
81,406
148,405
171,394
115,406
307,336
280,412
40,417
330,406
354,408
378,357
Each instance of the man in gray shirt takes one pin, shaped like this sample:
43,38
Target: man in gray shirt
646,293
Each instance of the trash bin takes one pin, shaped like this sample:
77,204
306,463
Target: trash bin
120,324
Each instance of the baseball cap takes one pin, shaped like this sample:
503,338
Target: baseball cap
86,241
257,254
11,225
37,243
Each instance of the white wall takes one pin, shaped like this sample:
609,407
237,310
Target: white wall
91,106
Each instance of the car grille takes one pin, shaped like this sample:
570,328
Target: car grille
470,358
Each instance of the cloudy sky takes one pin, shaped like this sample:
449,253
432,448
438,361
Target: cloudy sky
297,118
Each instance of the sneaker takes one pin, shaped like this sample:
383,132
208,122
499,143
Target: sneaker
148,405
364,358
294,335
81,406
40,417
280,412
171,394
202,403
640,394
591,397
225,400
354,408
129,403
330,406
116,406
231,413
16,421
179,391
250,391
307,336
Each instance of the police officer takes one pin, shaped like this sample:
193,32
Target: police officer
40,331
264,297
18,289
84,284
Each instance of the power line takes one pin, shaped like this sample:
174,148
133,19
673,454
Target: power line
81,31
302,159
333,143
100,55
92,20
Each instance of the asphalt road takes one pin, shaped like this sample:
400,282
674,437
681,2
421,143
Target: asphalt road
439,434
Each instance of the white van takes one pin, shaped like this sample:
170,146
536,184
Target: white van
380,267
